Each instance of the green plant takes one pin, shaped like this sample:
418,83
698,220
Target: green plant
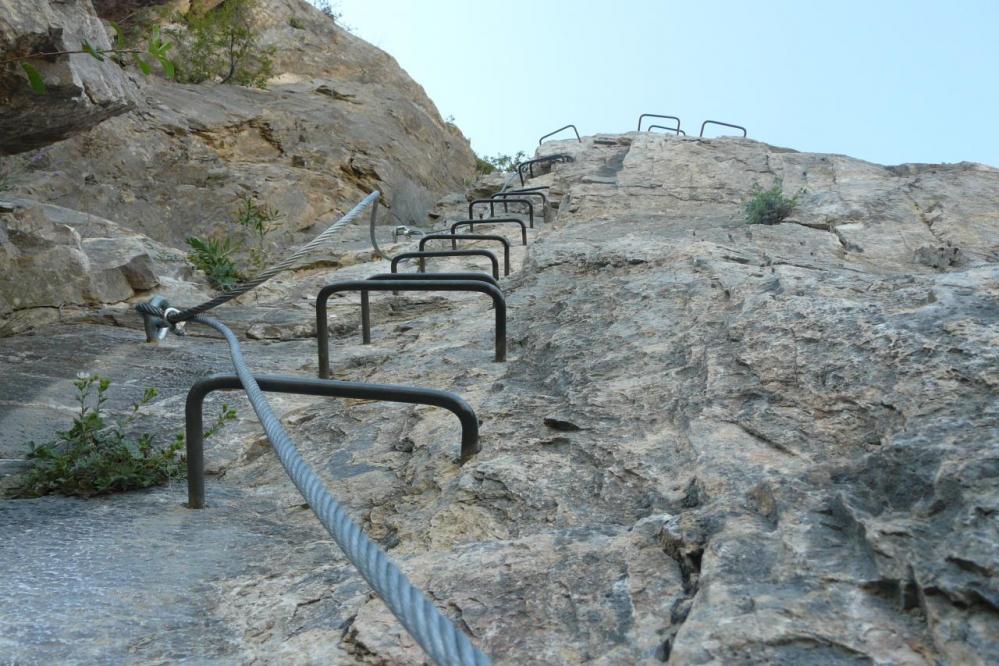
258,221
156,49
498,162
96,457
326,7
221,45
214,257
769,206
296,23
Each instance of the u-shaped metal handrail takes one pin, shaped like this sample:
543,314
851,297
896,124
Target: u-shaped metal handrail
366,305
656,115
718,122
454,238
492,207
492,220
573,127
678,131
523,194
394,265
364,286
560,157
194,412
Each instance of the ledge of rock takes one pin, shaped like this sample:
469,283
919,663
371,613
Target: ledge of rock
82,92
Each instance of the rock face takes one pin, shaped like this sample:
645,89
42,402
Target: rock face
81,92
52,257
712,443
339,120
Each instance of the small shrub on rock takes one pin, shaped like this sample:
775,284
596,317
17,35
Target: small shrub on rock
220,44
214,257
97,456
498,162
769,206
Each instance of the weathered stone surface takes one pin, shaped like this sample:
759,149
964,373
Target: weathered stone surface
52,257
81,92
711,444
339,119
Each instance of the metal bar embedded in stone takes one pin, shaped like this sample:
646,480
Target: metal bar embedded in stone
322,325
492,220
479,237
572,127
718,122
656,115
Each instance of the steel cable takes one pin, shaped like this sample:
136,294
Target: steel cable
290,261
435,633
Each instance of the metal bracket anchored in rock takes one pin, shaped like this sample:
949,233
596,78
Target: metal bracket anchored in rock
364,286
656,115
396,260
366,305
522,194
492,207
454,238
547,159
194,413
718,122
572,127
679,132
492,220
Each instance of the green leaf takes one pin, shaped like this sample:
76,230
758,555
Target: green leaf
34,78
92,51
167,65
119,35
143,65
154,41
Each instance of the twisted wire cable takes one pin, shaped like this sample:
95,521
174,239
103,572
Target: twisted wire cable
290,261
435,633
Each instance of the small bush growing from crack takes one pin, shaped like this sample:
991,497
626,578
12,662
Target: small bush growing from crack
96,456
214,256
258,221
498,162
769,206
220,44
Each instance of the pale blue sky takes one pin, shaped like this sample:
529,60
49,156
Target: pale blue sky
889,81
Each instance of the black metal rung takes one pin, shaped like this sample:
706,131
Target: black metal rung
364,286
194,413
718,122
492,207
492,220
656,115
573,127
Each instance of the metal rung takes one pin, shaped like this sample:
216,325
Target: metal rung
446,253
194,413
572,127
668,129
718,122
656,115
492,220
492,207
364,286
549,159
480,237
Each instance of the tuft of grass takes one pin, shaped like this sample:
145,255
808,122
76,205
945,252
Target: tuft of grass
96,456
769,206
